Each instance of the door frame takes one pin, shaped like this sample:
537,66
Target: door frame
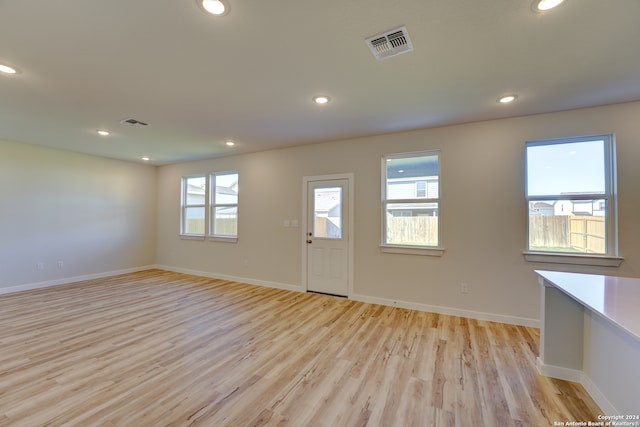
305,226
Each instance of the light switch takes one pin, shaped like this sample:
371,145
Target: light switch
286,223
294,223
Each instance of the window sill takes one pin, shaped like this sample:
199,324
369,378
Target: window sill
412,250
223,239
574,259
191,237
209,238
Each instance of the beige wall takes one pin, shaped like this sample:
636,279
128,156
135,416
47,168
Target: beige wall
483,213
96,215
99,215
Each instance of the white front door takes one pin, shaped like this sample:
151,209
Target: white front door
327,236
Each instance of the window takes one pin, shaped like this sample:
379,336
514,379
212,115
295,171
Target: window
327,213
210,206
411,203
571,196
224,205
194,193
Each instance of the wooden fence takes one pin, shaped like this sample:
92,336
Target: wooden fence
224,226
412,230
585,234
195,225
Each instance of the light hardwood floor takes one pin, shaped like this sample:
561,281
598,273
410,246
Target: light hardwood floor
164,349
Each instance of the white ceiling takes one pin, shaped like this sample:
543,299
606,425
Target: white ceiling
199,80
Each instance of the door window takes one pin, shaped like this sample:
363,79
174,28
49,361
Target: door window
327,213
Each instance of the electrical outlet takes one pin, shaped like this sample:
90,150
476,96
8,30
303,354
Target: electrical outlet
40,266
464,288
60,264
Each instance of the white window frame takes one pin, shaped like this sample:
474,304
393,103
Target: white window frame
213,204
411,249
610,258
209,206
184,206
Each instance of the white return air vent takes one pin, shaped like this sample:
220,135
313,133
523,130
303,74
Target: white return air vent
390,43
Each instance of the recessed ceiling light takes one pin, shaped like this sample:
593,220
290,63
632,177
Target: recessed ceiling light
230,143
103,132
507,99
544,5
321,99
145,158
6,69
214,7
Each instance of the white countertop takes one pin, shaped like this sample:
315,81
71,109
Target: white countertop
617,299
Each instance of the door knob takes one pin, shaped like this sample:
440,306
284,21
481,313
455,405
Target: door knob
309,241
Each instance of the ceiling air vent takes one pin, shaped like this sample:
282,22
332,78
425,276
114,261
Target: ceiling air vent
390,43
134,122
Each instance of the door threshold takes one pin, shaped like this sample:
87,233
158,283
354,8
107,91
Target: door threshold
328,294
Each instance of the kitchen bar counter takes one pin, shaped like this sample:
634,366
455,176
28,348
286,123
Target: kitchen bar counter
590,333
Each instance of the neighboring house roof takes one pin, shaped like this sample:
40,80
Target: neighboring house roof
194,189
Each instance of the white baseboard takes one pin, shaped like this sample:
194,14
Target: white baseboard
374,300
66,280
605,405
249,281
478,315
559,372
580,377
290,287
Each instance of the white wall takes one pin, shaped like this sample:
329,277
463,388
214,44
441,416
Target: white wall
96,215
483,213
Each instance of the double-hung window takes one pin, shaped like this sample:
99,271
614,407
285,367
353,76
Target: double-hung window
224,205
571,199
210,206
193,212
411,203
